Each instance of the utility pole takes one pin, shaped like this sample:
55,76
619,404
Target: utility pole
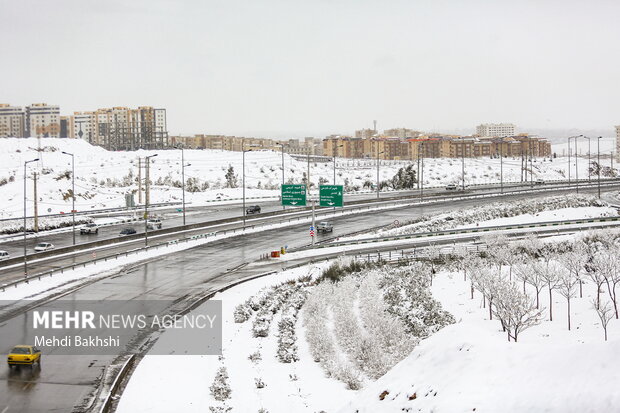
25,228
421,177
36,204
313,222
598,144
308,176
501,165
418,146
463,162
282,147
147,199
72,191
139,180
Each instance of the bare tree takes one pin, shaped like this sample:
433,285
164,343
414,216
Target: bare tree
605,313
575,261
596,267
516,310
567,286
532,272
612,276
434,255
489,284
551,276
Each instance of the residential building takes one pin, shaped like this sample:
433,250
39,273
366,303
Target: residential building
496,130
122,128
402,133
365,133
12,121
64,126
42,120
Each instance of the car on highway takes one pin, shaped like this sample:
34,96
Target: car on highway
24,355
154,223
253,209
325,227
43,246
451,187
4,255
89,229
127,231
539,182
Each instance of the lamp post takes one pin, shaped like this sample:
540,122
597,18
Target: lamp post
243,181
72,190
463,163
589,159
336,153
421,173
501,165
569,156
180,146
378,153
25,249
282,146
598,161
147,198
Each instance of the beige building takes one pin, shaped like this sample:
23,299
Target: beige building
42,121
12,121
122,128
402,133
496,130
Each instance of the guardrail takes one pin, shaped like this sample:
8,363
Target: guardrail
356,206
461,231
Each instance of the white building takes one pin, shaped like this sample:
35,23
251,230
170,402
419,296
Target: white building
496,130
11,121
43,120
84,122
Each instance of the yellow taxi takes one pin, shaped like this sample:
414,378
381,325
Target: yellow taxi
24,355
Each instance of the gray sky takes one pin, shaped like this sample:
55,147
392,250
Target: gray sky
309,68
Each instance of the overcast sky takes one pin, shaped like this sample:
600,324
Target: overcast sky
314,67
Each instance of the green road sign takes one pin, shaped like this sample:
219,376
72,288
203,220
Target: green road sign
330,196
294,195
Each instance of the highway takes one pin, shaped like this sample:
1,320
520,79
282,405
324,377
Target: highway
65,382
14,244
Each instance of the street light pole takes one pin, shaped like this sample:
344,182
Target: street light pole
282,146
25,249
147,199
421,177
568,153
336,153
243,182
589,159
501,165
463,163
183,179
72,190
598,161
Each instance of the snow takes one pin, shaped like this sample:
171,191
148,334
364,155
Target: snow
470,365
103,178
290,387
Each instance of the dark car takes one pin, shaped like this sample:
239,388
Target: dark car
128,231
254,209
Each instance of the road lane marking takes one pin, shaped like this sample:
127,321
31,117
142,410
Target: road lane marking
5,409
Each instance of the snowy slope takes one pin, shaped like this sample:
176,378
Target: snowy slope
103,178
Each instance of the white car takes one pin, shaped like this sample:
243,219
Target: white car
4,255
43,246
153,223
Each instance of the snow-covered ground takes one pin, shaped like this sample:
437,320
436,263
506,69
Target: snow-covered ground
103,178
466,366
553,208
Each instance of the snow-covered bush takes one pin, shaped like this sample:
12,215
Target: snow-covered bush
287,348
220,389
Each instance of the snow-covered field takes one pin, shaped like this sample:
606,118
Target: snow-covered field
305,346
103,178
553,208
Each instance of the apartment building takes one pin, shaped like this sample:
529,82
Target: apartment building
122,128
42,121
496,130
365,133
12,121
402,133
